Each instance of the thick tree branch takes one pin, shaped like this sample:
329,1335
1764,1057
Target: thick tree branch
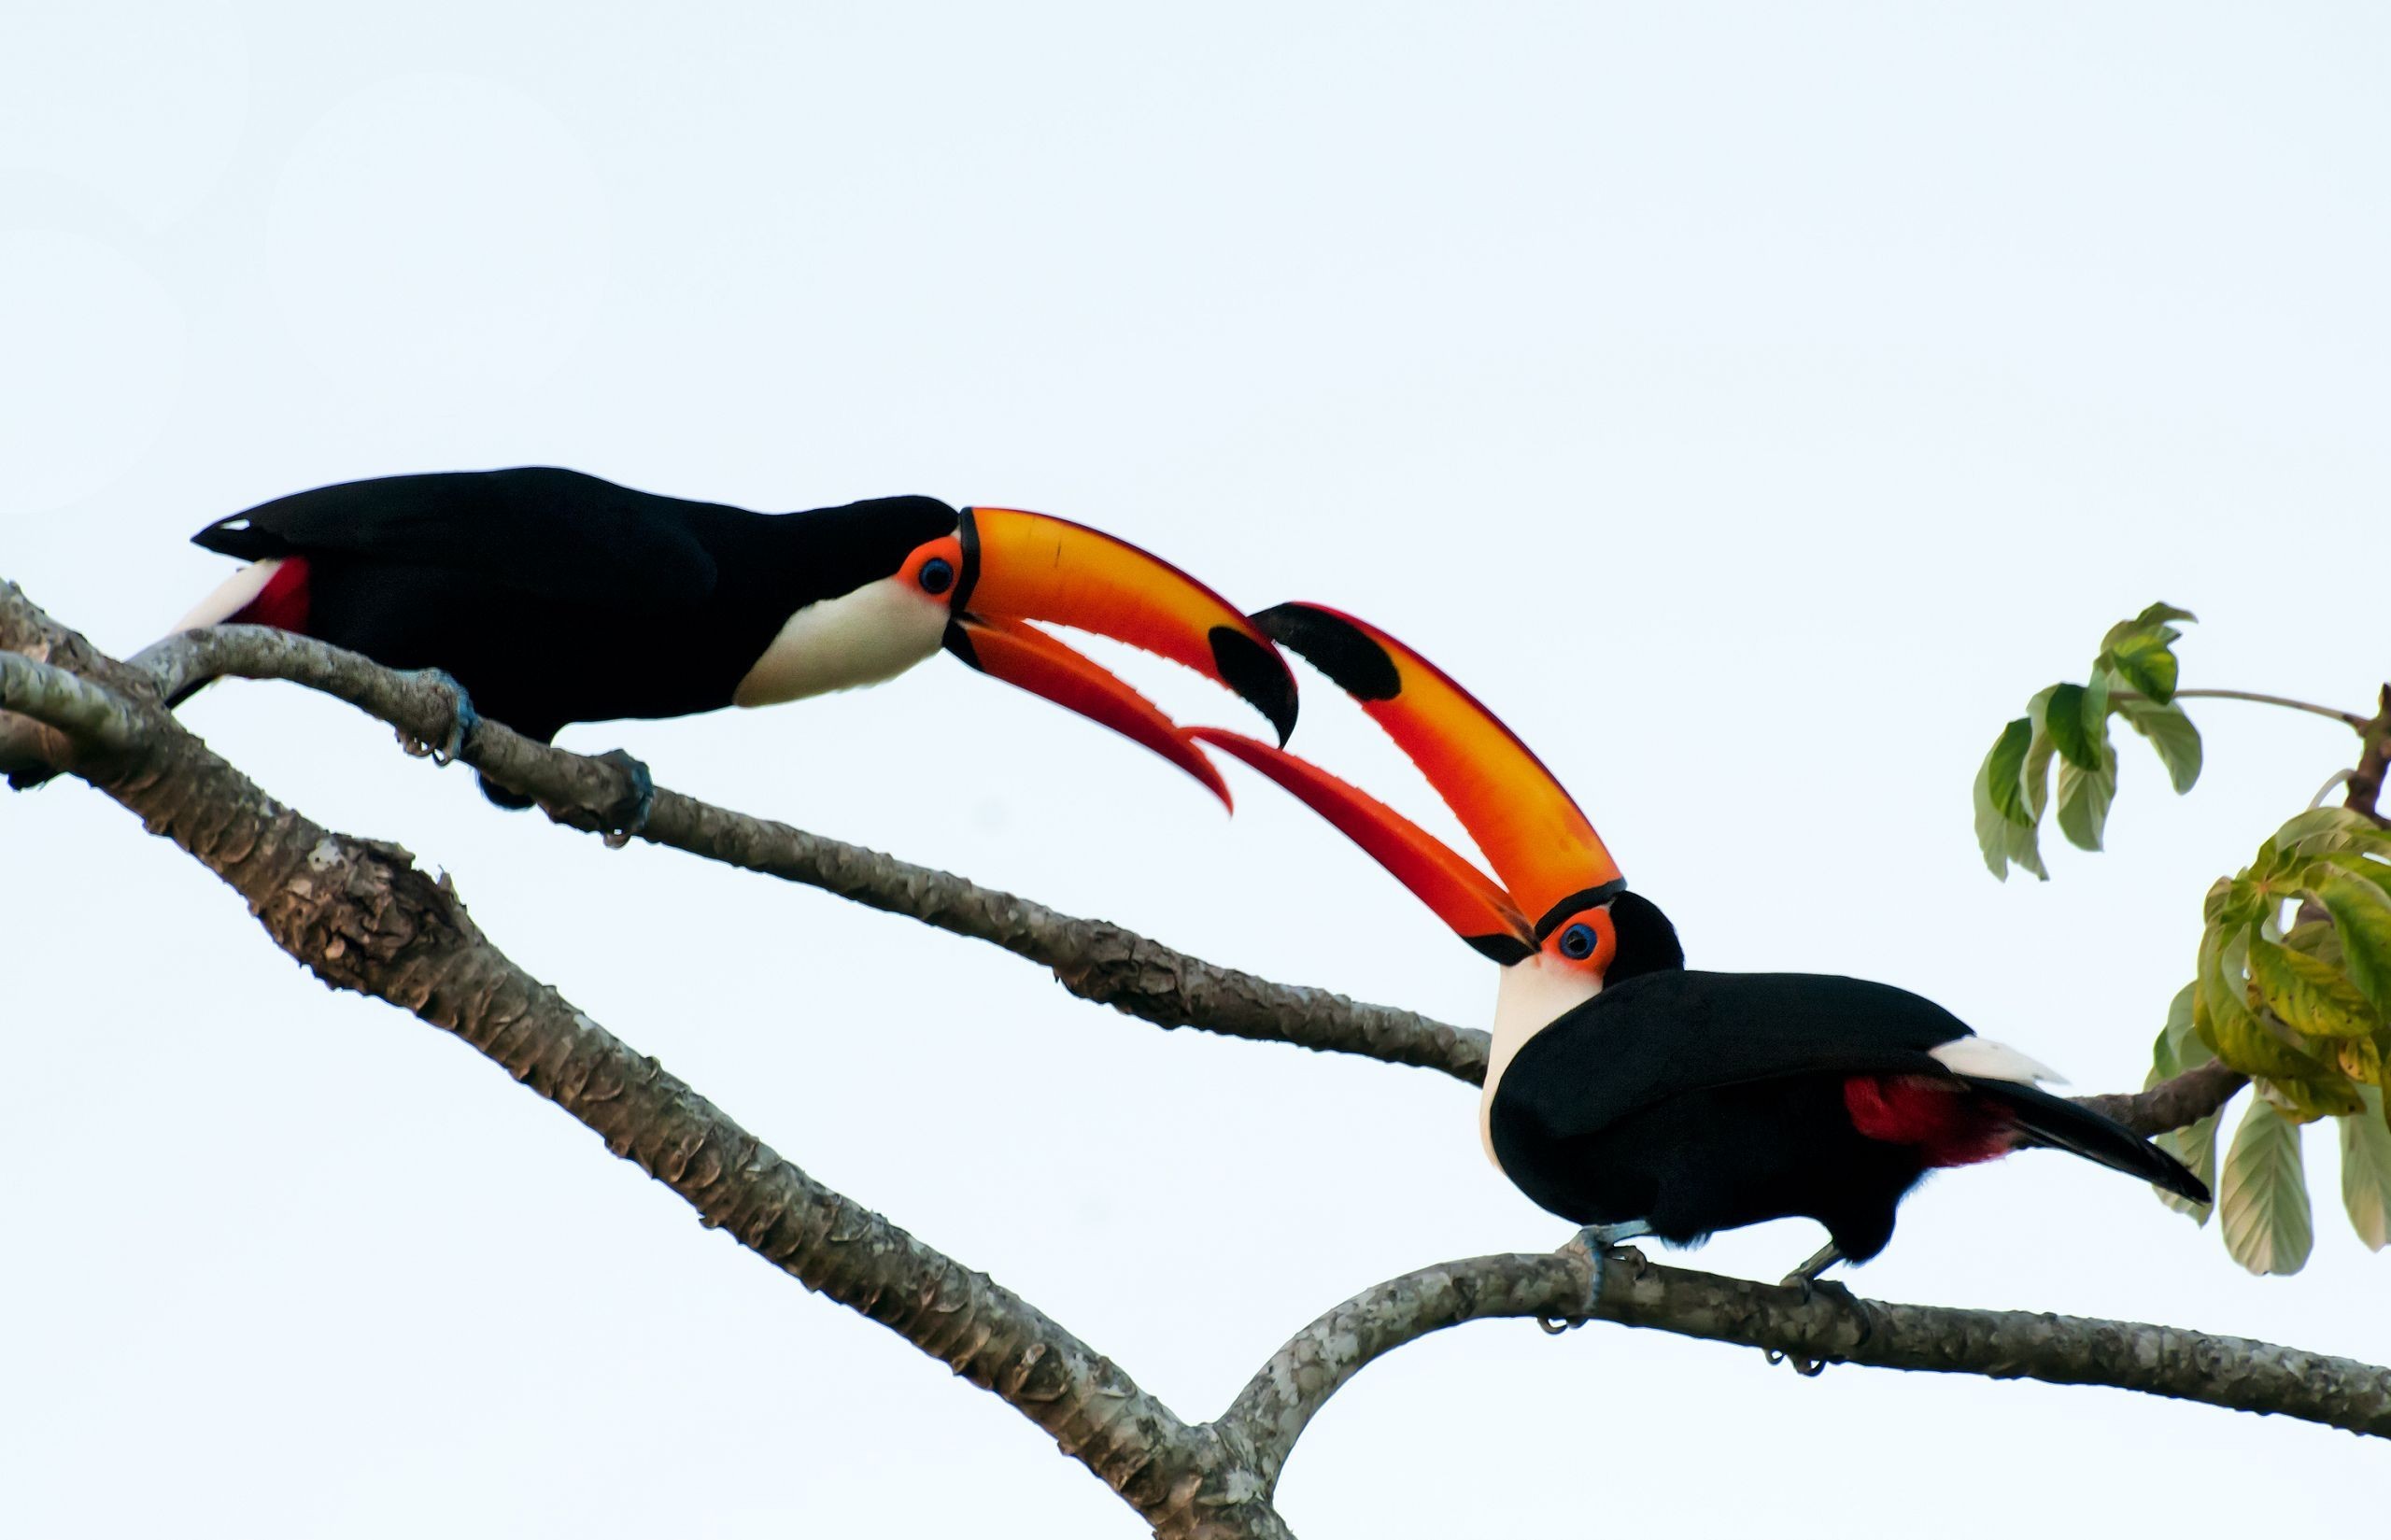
1093,959
2172,1104
360,916
1831,1327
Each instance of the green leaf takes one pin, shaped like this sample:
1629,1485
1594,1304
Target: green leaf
2084,798
2070,731
2232,1028
2262,1194
2313,997
2329,1096
1992,831
2161,613
2365,1172
2171,734
2362,914
2004,770
2143,659
2178,1048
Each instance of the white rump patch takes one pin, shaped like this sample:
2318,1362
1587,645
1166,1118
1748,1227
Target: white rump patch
861,637
231,596
1991,1061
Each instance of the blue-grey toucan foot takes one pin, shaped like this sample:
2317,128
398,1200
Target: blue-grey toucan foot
627,814
1600,1241
1605,1237
1806,1282
462,720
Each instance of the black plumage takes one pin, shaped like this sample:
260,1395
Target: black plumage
1698,1102
556,596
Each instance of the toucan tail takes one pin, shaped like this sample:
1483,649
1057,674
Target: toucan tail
2064,1124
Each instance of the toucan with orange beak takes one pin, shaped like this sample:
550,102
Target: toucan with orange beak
551,597
1625,1092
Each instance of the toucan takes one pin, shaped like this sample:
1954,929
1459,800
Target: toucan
1625,1092
553,596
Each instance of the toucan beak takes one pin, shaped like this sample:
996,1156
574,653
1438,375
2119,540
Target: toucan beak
1027,657
1018,567
1551,861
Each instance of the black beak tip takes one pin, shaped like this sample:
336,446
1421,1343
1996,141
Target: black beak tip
1259,675
1334,645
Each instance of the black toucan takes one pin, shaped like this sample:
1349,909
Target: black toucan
1624,1091
554,596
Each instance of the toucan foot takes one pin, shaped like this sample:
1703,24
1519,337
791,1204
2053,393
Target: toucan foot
1805,1280
1601,1242
462,720
1606,1237
627,816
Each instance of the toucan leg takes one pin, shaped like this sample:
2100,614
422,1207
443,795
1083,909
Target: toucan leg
1603,1237
1805,1277
628,815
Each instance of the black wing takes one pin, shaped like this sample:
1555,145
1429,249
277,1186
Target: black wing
553,532
1657,1035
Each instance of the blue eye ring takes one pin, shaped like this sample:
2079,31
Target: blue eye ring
936,576
1577,943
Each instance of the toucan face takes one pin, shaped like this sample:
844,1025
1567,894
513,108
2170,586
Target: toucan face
1559,919
977,588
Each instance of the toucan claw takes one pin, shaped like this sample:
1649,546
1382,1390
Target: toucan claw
627,816
462,720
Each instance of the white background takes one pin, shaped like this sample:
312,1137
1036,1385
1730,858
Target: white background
1754,403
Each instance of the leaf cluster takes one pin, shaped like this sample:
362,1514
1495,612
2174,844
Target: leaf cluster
2134,677
2294,990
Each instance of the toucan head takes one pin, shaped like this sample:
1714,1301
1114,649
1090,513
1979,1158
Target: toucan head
975,579
1559,919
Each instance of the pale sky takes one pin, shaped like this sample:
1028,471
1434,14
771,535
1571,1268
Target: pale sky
1753,403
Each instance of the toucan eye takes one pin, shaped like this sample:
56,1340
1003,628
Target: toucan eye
1578,941
938,575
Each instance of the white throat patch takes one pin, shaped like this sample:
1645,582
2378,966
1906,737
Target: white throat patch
1532,996
861,637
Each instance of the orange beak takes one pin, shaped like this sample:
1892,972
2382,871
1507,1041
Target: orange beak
1551,861
1017,567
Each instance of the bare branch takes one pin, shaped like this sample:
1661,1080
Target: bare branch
92,716
2172,1104
2365,780
360,916
1831,1327
1093,959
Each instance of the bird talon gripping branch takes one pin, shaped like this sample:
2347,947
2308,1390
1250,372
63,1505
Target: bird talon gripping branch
462,720
627,816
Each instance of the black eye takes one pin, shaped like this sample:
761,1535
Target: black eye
938,574
1578,941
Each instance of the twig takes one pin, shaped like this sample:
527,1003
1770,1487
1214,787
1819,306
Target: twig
2347,719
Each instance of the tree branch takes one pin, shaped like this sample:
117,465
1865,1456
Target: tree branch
1093,959
2365,780
358,915
1270,1414
2172,1104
